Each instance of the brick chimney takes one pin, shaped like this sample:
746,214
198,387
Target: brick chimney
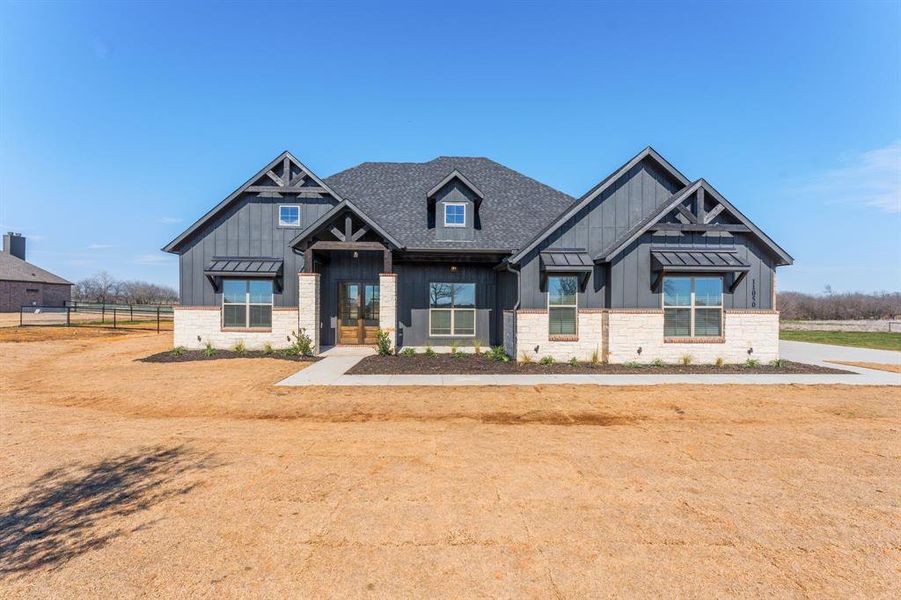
14,243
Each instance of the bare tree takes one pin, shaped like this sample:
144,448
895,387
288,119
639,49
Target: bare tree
837,306
104,288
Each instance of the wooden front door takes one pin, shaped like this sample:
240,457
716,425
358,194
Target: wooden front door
358,312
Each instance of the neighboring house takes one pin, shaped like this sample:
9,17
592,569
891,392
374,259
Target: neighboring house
646,265
23,284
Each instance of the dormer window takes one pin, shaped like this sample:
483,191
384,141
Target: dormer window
455,214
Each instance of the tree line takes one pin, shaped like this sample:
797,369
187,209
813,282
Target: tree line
830,306
106,289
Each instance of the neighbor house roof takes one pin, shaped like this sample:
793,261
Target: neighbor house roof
13,268
514,208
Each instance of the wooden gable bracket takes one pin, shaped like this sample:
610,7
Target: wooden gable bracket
286,183
688,216
713,213
349,235
736,280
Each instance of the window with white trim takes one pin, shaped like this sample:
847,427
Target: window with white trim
455,214
562,304
452,309
692,306
289,215
247,303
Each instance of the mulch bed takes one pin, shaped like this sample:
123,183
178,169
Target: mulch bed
195,355
445,364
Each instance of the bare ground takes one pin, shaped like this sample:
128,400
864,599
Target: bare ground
891,368
122,478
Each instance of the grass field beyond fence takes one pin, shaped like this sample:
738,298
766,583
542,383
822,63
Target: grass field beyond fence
858,339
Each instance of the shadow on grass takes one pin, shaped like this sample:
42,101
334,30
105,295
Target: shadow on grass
71,510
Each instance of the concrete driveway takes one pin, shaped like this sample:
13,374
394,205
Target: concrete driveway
820,354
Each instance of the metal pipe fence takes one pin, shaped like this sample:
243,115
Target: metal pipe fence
116,316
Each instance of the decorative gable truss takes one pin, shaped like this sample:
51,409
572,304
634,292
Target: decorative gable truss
698,208
288,177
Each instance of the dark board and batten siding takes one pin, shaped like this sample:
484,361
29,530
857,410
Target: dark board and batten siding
456,192
250,228
626,281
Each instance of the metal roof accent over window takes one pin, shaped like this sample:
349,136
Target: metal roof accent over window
574,261
693,260
231,266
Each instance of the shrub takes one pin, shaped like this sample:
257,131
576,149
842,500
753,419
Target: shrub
383,343
429,352
595,357
239,347
778,363
455,351
497,354
687,359
751,363
408,351
267,348
477,346
526,357
208,349
632,364
302,344
179,350
658,362
573,362
547,360
719,361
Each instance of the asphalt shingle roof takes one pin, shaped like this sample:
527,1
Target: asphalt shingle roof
13,268
514,210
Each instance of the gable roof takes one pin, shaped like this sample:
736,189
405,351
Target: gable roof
13,268
455,174
326,218
677,199
594,193
394,194
235,195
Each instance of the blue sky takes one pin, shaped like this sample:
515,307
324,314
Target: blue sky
122,123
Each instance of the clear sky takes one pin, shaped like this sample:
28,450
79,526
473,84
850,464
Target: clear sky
122,123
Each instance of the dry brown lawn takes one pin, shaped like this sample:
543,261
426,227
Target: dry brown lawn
122,479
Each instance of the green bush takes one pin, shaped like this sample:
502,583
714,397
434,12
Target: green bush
302,344
179,351
239,347
408,351
455,351
573,362
632,364
719,361
658,362
547,360
687,359
751,363
778,363
497,354
477,346
429,352
208,349
267,349
383,343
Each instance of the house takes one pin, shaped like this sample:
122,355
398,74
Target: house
646,265
23,284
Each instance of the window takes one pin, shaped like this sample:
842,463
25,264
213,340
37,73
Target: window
289,216
692,306
454,215
452,309
562,302
247,303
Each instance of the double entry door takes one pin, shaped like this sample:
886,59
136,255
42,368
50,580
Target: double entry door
358,312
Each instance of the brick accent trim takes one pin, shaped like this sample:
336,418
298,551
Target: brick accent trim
748,311
196,308
532,311
592,311
563,338
248,329
694,340
387,274
635,311
306,274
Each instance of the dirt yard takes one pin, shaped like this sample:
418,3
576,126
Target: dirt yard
120,479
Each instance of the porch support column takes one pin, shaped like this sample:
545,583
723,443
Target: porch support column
388,306
308,307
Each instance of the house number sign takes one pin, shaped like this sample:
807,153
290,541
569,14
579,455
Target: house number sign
753,293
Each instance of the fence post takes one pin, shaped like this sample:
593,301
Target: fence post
103,313
131,312
157,319
21,316
68,316
114,317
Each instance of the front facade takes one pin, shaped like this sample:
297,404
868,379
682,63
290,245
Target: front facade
24,284
646,266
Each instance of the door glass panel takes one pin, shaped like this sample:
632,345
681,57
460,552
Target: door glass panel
350,304
371,305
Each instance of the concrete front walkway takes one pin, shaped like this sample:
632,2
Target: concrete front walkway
337,361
